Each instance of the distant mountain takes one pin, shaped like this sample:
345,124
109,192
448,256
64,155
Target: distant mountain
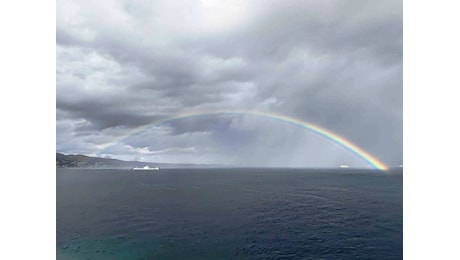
83,161
69,161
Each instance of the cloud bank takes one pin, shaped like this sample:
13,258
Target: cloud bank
123,64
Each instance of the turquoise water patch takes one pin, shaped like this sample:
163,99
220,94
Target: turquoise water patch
148,248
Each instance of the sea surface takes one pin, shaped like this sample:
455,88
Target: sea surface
229,214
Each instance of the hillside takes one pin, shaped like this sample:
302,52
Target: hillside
83,161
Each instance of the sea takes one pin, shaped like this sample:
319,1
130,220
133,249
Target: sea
242,213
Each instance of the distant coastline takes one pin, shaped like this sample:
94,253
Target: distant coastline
83,161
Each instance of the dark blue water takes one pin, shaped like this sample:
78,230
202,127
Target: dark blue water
229,214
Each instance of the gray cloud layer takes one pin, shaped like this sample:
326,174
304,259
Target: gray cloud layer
124,64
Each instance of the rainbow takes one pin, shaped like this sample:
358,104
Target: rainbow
367,157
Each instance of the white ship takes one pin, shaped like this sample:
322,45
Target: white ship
146,168
343,166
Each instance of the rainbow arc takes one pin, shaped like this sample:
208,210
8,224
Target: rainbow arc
323,132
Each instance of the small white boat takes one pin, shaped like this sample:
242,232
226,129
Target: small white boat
146,168
343,166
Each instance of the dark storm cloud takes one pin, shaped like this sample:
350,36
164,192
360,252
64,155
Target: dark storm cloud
104,115
334,63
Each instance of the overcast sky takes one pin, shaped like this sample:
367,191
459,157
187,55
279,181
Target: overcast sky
125,64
